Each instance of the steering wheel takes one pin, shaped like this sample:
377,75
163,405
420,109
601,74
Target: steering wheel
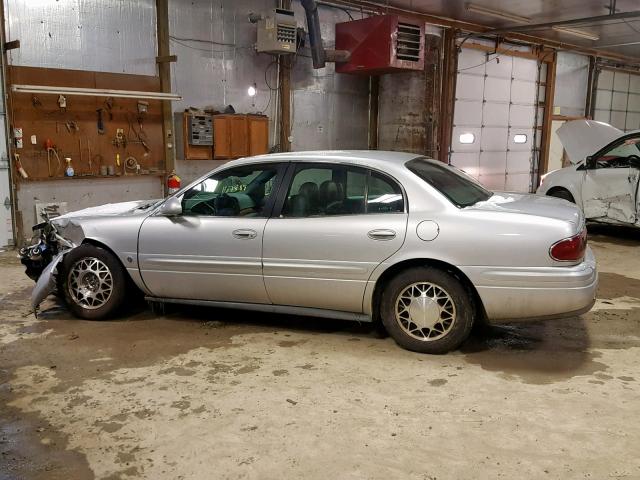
203,208
636,159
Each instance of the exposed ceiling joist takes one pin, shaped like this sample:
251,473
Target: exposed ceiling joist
564,23
371,6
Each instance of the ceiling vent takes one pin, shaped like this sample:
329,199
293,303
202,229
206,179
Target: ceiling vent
381,44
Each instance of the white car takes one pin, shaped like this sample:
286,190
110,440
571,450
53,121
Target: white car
604,175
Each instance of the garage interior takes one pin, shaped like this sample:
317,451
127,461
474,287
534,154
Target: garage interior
116,101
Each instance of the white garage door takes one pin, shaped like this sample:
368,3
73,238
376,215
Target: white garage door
494,119
618,99
6,225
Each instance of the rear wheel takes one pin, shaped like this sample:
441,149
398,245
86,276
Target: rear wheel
427,310
93,282
562,193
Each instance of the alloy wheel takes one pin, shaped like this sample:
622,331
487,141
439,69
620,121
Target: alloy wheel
90,283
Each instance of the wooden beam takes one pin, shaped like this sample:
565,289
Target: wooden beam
589,106
545,143
374,95
448,97
432,98
164,70
12,45
167,58
284,81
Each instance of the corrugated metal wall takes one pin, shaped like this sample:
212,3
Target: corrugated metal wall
216,64
99,35
572,77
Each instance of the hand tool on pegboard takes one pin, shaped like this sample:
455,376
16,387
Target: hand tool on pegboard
21,170
100,121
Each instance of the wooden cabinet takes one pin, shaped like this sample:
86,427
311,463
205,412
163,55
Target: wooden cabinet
258,134
238,136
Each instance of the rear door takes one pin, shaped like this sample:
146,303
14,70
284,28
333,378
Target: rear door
335,224
213,250
610,185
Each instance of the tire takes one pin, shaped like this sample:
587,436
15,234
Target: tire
451,316
93,282
563,194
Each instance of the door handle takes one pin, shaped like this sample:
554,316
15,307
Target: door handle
382,234
244,234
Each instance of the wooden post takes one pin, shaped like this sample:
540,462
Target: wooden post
164,70
284,81
550,88
448,97
374,94
592,83
432,84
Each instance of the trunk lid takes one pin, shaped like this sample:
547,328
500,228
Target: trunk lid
581,138
532,205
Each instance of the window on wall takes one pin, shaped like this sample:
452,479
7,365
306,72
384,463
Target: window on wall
520,138
467,138
617,99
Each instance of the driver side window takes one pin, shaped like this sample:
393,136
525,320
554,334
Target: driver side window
618,156
245,191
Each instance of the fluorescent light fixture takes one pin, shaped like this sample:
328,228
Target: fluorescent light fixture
576,33
95,92
490,12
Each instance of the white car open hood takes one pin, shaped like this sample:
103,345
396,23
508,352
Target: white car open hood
581,138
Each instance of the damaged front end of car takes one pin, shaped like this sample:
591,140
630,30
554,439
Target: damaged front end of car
42,257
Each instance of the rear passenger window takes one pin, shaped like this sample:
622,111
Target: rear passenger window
324,191
340,190
384,195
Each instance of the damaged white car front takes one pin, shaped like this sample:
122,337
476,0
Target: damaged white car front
605,172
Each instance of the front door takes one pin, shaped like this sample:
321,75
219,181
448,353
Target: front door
337,224
213,250
609,186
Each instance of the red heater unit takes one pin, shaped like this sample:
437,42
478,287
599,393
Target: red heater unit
381,44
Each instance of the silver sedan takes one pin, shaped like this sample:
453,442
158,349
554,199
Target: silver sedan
360,235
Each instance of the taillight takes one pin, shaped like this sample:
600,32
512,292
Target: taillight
570,249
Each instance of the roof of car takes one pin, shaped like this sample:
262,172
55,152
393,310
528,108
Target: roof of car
376,158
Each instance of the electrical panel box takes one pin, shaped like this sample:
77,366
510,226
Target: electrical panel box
381,44
277,32
200,129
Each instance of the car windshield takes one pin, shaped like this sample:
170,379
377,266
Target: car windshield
458,187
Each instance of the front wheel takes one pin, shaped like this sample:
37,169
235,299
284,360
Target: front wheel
93,282
427,310
563,194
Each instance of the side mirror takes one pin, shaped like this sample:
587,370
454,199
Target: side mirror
634,162
591,162
171,207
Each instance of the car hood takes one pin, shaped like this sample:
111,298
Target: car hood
531,205
109,210
581,138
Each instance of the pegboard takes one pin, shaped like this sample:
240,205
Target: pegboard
73,131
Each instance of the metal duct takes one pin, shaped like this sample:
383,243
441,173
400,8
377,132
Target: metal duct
315,36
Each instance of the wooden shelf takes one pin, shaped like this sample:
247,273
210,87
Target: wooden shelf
90,177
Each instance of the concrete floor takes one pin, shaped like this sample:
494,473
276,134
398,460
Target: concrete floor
201,393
